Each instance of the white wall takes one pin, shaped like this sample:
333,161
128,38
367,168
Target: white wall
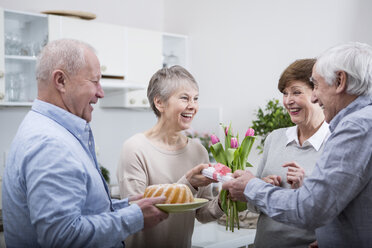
146,14
238,49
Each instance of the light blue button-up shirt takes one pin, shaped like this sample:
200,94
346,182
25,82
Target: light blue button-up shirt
53,192
337,197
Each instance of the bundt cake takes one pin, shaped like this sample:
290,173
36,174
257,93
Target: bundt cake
175,193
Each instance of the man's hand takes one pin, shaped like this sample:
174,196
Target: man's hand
273,179
135,197
314,244
236,186
151,214
295,175
196,178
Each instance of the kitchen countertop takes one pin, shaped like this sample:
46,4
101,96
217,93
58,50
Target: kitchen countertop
214,235
211,235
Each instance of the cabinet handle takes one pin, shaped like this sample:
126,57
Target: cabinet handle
144,101
132,101
1,74
103,68
2,96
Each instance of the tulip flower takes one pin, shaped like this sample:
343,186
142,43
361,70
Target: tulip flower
250,132
226,130
231,157
214,139
234,143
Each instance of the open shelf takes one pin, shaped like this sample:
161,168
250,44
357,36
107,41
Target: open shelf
20,57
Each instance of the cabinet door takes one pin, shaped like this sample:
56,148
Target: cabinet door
144,54
107,39
22,37
2,56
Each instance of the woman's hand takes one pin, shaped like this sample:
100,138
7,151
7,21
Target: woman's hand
196,179
295,175
273,179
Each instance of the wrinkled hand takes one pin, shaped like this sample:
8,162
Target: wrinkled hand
314,244
295,174
196,178
151,214
237,185
273,179
135,197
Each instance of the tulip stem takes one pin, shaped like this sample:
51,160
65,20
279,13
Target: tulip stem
236,214
227,213
232,217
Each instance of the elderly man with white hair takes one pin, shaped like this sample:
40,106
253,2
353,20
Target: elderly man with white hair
337,198
53,192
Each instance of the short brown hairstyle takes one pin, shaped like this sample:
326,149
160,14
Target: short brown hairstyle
300,70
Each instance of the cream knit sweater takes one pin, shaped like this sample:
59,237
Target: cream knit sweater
142,164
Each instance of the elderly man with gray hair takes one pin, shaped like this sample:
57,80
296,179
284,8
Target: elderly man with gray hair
53,192
337,198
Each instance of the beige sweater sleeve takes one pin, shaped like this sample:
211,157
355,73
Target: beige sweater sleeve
141,165
131,174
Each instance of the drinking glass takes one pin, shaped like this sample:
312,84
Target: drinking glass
12,88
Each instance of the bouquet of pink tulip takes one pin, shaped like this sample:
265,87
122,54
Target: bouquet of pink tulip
235,157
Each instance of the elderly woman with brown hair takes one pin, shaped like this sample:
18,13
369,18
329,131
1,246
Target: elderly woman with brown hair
285,148
163,154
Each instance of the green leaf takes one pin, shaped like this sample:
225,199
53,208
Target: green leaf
105,173
247,164
236,162
230,156
245,148
223,197
273,116
219,153
241,206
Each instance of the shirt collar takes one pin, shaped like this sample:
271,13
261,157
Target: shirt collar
315,141
358,103
71,122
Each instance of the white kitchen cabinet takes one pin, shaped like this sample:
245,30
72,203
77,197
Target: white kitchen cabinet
144,54
125,98
22,37
175,50
147,51
128,56
2,66
107,39
143,49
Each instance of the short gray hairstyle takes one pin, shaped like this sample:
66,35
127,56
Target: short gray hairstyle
63,54
355,59
165,82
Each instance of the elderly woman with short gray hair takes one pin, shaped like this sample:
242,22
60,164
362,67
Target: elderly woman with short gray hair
163,154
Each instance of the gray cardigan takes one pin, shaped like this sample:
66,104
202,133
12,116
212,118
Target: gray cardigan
278,151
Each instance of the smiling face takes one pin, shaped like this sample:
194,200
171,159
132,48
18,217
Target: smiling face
297,101
181,107
325,95
83,89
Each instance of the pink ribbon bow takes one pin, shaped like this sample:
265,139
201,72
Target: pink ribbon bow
220,169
